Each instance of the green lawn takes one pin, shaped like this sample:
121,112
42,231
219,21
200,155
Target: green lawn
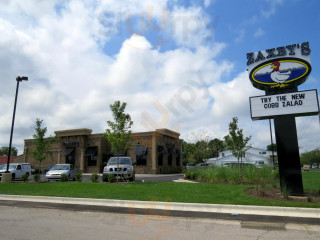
161,191
311,180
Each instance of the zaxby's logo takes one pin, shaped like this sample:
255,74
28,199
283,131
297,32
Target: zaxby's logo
281,67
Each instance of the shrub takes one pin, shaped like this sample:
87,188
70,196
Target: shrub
25,177
64,178
79,177
94,177
111,178
36,177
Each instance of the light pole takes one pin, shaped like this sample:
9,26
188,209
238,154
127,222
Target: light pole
19,79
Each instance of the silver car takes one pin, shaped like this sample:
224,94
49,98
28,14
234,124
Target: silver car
57,170
121,167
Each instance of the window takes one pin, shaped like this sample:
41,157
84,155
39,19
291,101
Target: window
178,156
92,160
170,159
160,159
177,160
222,154
141,160
91,156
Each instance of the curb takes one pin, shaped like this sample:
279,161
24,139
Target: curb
174,206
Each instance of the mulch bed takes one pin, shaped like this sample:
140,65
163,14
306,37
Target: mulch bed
274,194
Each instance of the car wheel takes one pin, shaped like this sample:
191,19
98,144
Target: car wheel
104,178
13,176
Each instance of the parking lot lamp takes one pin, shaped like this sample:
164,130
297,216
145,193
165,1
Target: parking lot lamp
19,79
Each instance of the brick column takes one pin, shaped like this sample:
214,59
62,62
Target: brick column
81,160
154,152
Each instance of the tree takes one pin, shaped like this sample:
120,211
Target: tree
272,147
216,146
188,150
310,157
235,141
4,151
118,136
42,144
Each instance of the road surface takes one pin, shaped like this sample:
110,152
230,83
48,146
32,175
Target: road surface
23,223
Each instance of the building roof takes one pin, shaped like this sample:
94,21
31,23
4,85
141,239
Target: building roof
4,159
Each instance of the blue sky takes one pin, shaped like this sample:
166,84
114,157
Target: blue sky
178,64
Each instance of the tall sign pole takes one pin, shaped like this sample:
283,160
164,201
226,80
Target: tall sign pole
279,71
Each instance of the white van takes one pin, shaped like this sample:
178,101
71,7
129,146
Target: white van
16,169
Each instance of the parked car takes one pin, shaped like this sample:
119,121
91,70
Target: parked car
190,165
314,165
121,167
234,164
16,169
202,165
47,169
306,167
57,170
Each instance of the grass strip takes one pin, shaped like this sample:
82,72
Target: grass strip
148,191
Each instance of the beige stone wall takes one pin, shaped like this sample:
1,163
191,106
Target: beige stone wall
84,139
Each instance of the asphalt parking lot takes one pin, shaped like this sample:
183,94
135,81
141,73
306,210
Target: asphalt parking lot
139,177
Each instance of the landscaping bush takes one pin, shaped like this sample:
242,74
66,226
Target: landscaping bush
79,177
111,178
94,177
25,177
64,178
36,177
232,175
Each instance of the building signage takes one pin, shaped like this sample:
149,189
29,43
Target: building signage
300,103
71,144
279,67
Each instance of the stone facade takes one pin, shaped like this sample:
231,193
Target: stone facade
153,152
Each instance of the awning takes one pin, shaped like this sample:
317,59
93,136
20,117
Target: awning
91,151
160,148
140,150
67,151
170,145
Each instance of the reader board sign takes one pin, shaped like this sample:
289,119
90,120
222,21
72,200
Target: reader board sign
302,103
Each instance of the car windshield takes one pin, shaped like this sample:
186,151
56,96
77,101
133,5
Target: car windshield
11,167
114,161
60,167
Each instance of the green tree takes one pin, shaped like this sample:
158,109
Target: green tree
310,157
216,146
235,140
42,144
188,150
4,151
118,135
272,147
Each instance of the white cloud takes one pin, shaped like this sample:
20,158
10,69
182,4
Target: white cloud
259,33
272,8
72,81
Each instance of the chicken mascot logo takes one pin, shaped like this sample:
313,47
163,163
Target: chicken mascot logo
280,73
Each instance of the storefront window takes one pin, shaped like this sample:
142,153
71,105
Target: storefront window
160,159
141,159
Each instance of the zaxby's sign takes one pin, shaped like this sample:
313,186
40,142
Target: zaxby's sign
280,67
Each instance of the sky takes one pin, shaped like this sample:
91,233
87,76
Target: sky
178,64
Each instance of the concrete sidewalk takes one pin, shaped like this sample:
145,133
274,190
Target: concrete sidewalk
310,213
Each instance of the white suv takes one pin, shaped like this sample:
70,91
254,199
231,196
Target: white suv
16,169
120,167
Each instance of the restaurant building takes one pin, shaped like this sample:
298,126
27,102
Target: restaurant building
154,152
